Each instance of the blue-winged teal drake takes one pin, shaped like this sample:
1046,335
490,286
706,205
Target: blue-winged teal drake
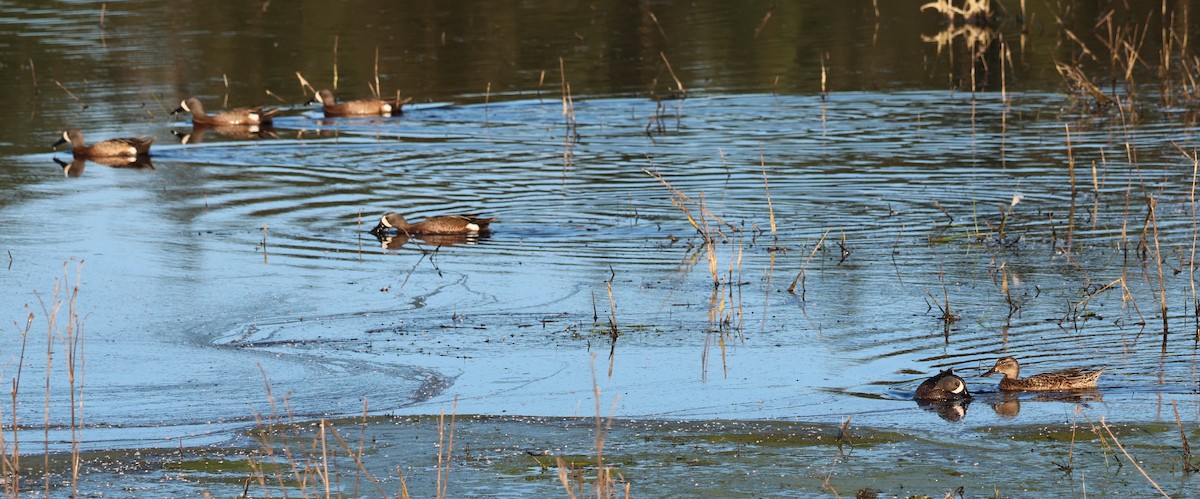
944,386
139,146
241,116
1070,379
442,224
361,107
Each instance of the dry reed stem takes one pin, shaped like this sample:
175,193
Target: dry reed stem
678,84
1195,158
445,450
1071,175
612,324
60,85
1131,459
803,268
824,79
378,89
767,188
1188,467
680,200
1162,289
357,457
10,473
304,85
654,19
1077,81
362,441
335,64
33,76
763,24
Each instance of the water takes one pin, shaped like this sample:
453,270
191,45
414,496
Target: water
241,261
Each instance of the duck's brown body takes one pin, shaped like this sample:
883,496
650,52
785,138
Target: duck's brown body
1070,379
242,116
944,386
129,147
361,107
442,224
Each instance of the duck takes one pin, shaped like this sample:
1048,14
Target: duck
441,224
944,386
361,107
1069,379
127,147
241,116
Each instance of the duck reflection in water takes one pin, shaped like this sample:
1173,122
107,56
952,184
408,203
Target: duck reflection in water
945,394
1008,404
200,133
74,168
396,241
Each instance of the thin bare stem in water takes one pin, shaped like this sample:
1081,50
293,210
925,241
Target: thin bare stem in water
678,84
11,475
33,76
60,85
445,450
304,85
264,243
335,53
378,89
1195,158
763,24
1131,459
357,457
654,19
1162,290
612,324
824,78
801,275
767,188
1071,175
1188,467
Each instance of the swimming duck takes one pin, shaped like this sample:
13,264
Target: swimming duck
944,386
442,224
1070,379
129,147
361,107
257,115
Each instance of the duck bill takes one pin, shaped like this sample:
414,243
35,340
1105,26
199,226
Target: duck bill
59,143
178,110
989,373
379,230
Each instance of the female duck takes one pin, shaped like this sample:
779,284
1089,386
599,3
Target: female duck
1070,379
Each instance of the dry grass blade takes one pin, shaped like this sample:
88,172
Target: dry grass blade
792,288
678,84
1078,82
304,86
1131,459
681,200
654,19
767,187
356,456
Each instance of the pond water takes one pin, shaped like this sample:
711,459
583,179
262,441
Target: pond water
234,270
